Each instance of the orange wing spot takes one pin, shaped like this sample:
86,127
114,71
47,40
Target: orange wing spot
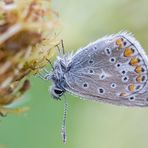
119,42
122,94
134,61
128,52
139,79
138,69
131,87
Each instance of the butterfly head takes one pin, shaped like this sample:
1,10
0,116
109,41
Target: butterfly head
58,79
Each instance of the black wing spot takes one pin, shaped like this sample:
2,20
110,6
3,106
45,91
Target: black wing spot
125,79
123,72
85,85
90,61
108,51
113,85
118,65
102,77
101,90
143,78
131,98
91,71
112,60
124,43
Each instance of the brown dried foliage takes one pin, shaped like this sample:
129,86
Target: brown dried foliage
26,38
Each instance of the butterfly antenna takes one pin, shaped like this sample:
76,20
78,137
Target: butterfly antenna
46,76
63,49
58,48
41,76
63,131
50,63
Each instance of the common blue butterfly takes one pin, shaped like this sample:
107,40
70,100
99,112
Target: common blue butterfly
113,69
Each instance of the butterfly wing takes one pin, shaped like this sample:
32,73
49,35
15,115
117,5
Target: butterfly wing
113,69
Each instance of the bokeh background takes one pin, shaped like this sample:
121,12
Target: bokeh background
89,124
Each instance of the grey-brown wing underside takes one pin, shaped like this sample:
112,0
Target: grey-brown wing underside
113,69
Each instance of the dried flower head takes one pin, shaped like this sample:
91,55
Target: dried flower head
26,39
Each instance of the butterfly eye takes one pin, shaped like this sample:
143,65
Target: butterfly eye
58,91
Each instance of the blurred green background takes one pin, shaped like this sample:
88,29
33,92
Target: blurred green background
89,124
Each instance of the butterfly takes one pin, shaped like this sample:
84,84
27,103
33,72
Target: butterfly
113,69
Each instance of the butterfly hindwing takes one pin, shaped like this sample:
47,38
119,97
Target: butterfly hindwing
113,69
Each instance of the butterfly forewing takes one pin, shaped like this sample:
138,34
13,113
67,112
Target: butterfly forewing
113,69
